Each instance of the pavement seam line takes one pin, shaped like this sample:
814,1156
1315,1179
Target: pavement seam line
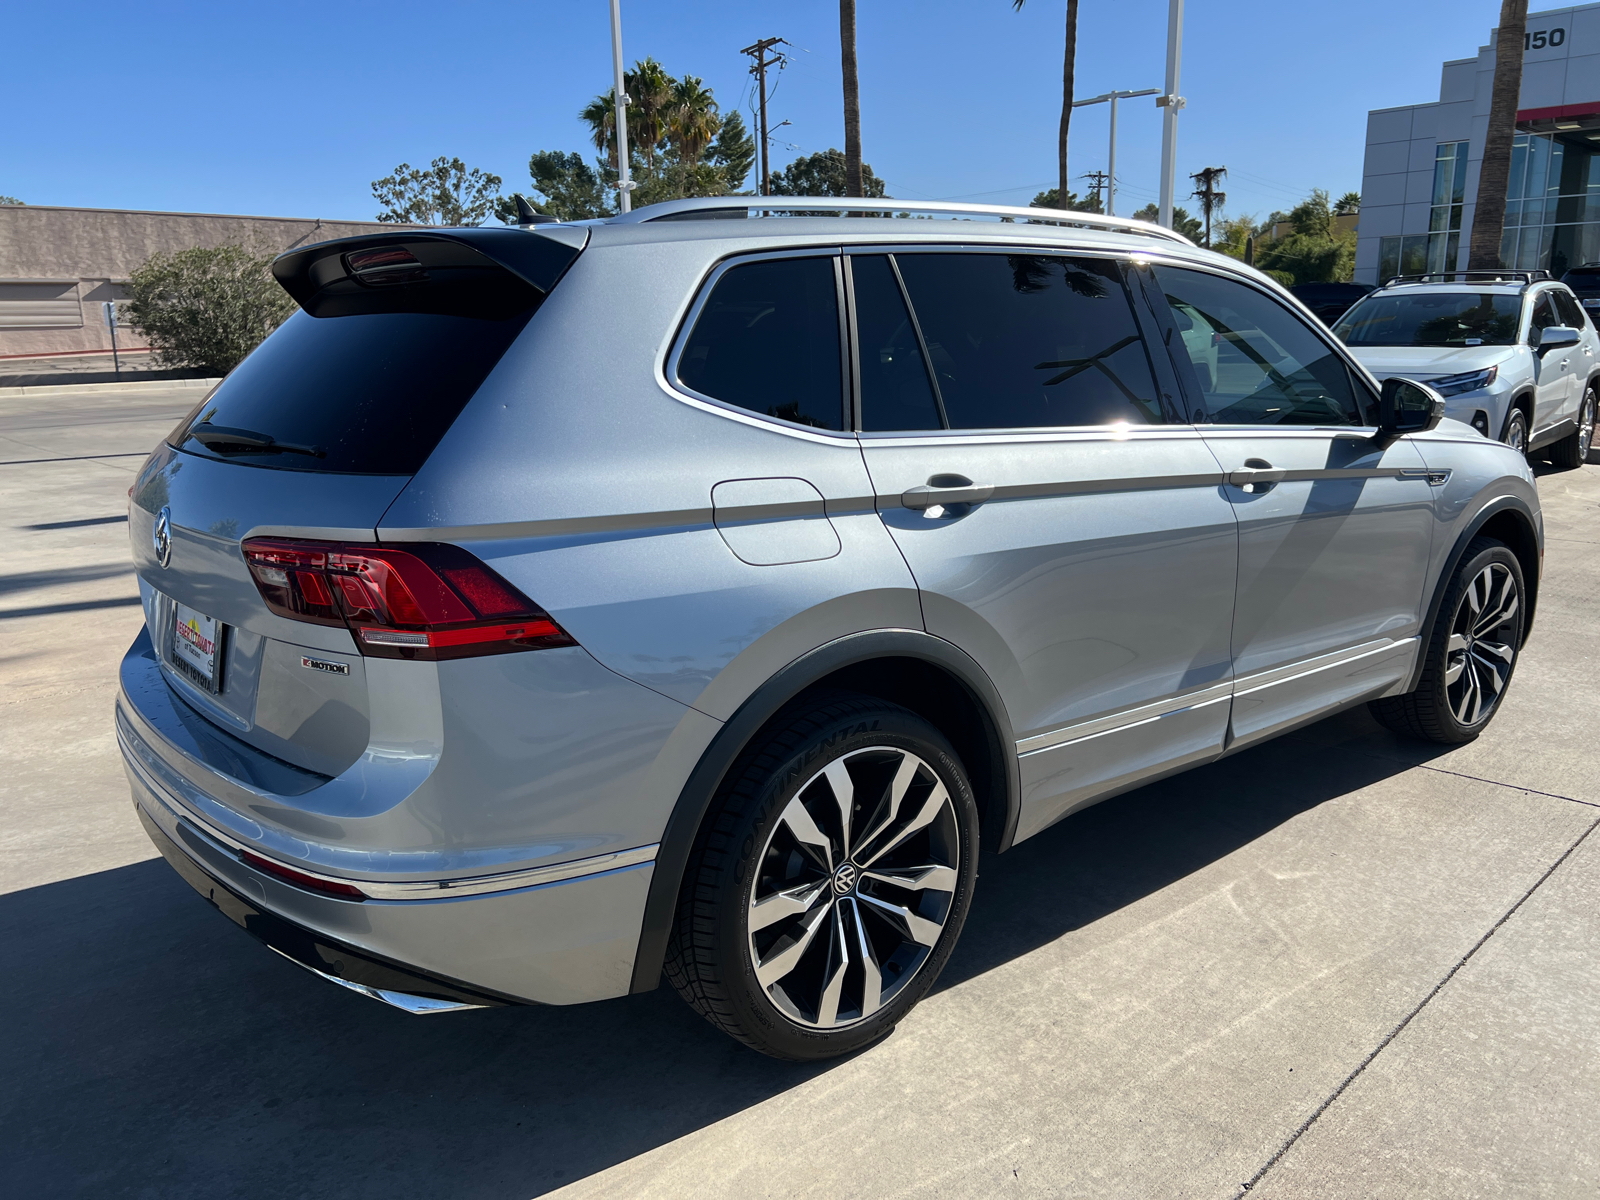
1396,1031
1516,787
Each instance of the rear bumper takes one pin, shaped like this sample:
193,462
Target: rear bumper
562,942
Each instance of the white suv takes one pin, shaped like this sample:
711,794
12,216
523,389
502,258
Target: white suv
1512,352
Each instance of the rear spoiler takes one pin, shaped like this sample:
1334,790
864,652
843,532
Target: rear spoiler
470,272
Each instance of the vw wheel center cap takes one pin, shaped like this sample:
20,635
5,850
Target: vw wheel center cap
161,536
844,878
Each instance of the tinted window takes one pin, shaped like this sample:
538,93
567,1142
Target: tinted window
895,391
768,340
372,393
1568,309
1544,313
1431,319
1030,340
1255,362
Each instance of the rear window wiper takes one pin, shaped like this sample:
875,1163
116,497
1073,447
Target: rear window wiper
224,440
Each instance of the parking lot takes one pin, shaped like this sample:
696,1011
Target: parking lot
1340,964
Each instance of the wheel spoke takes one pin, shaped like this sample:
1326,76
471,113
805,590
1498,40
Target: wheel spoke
844,795
1492,670
936,800
909,765
805,832
1498,649
1458,642
1503,612
917,879
872,984
839,945
920,928
775,966
790,903
1475,599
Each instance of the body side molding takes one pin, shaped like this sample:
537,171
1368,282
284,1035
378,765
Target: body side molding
683,825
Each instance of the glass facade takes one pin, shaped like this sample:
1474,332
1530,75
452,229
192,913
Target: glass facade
1552,203
1552,210
1439,248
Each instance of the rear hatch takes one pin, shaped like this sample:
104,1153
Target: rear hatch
312,437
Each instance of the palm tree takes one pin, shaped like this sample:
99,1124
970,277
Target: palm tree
600,114
1488,218
649,94
1066,83
852,98
692,118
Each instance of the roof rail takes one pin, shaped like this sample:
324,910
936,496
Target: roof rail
739,208
1523,277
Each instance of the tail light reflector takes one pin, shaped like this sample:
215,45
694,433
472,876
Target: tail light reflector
300,879
429,601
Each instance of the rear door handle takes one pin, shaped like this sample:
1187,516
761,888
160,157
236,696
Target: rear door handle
946,490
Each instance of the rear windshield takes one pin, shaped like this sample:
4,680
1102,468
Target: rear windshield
1584,278
369,394
1431,319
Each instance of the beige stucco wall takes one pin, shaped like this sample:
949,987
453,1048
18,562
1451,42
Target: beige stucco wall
98,248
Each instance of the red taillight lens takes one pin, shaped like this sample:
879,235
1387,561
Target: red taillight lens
429,601
311,883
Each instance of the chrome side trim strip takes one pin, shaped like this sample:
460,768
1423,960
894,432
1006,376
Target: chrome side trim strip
1310,666
1129,717
404,889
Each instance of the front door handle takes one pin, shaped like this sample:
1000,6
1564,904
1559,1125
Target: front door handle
946,490
1257,475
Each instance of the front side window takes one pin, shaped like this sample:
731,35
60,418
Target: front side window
896,392
767,340
1027,341
1428,318
1544,314
1570,311
1253,361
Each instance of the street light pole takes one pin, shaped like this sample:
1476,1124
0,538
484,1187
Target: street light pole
1171,102
619,113
1111,166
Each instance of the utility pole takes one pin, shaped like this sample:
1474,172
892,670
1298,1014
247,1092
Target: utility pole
1111,166
619,114
1171,103
1097,180
1205,191
759,70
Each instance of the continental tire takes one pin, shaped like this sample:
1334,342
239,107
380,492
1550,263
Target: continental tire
1472,653
830,882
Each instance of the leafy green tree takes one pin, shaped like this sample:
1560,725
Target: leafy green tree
446,192
1229,235
822,174
1347,205
572,189
1182,222
13,201
733,152
206,307
1315,250
1052,199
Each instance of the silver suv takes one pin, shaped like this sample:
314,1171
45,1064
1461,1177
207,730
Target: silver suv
542,610
1513,353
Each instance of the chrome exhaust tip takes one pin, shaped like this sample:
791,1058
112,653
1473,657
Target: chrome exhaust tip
418,1006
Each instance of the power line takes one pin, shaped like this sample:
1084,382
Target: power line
758,53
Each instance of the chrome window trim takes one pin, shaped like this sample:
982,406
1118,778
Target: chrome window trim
1212,694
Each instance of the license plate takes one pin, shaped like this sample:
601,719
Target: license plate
196,646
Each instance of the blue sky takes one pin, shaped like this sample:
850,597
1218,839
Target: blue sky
292,109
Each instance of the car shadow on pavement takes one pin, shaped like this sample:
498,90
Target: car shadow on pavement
152,1049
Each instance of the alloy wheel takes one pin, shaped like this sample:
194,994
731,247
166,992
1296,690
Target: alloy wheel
1517,434
1481,652
853,888
1586,425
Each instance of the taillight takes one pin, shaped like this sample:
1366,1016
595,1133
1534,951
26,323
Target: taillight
429,601
300,879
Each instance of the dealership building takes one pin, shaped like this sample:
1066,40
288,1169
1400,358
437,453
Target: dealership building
1420,177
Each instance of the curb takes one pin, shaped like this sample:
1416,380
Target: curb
144,385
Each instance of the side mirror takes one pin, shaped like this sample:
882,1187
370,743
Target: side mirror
1555,337
1406,406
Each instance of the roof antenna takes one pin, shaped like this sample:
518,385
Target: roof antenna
526,215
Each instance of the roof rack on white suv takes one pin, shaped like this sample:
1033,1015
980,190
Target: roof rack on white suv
739,208
1497,276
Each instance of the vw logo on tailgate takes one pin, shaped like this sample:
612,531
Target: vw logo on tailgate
161,536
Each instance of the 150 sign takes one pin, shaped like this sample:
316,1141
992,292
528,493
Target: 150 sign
1543,38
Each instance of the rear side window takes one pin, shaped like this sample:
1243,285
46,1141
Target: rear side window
767,340
1253,361
1020,341
367,394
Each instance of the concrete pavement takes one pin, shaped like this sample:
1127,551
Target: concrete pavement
1339,964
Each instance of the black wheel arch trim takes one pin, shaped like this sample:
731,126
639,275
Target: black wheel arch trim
694,801
1458,552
